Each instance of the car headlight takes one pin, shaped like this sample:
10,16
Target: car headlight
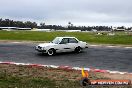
39,47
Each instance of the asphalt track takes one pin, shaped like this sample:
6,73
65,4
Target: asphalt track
109,58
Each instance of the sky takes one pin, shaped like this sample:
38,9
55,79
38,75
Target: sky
78,12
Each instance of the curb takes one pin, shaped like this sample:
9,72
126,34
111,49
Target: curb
66,67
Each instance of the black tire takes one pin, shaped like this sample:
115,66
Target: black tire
78,49
51,52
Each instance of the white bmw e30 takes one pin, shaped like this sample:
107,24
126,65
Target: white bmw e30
62,44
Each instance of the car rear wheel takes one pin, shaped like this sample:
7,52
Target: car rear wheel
78,49
51,52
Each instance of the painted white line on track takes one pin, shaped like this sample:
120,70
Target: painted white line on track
16,42
94,45
128,47
111,46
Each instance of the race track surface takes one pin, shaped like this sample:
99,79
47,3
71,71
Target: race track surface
109,58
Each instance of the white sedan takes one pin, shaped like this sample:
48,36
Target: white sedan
62,44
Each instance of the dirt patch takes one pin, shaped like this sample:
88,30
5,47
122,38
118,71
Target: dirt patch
117,76
62,78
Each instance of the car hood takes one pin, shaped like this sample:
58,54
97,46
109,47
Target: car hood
47,44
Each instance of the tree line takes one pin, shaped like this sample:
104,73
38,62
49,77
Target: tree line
11,23
29,24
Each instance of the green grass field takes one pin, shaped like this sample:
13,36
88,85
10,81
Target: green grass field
119,38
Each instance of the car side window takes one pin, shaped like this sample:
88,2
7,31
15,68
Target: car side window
73,40
64,41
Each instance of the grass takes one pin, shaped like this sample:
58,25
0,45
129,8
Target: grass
13,76
119,38
18,82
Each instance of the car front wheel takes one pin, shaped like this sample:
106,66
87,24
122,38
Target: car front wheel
51,52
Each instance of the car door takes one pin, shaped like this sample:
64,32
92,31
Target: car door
64,46
72,43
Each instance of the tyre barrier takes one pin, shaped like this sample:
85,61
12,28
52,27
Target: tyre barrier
65,67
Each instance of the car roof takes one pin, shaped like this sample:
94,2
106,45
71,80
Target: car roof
65,37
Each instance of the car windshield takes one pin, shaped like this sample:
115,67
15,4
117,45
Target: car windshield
56,41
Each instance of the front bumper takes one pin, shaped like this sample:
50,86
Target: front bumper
40,49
